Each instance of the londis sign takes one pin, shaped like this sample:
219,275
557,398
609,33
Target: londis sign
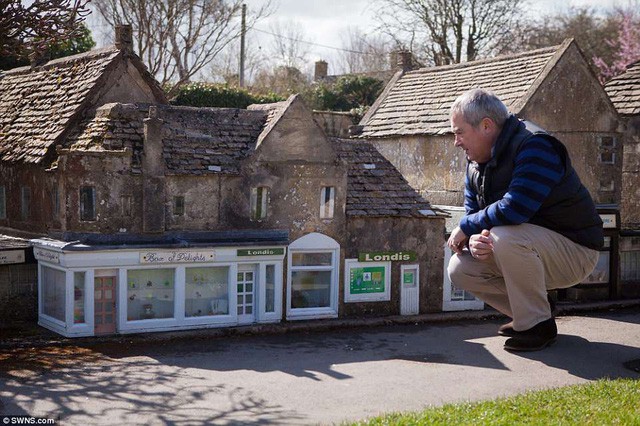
387,256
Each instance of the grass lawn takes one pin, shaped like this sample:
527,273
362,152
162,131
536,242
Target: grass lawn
604,402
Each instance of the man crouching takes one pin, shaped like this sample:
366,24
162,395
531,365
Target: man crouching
530,225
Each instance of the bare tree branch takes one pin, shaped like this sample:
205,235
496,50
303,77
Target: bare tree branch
27,29
179,38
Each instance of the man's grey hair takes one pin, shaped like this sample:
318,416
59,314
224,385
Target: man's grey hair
477,104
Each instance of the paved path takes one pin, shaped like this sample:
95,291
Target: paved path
320,377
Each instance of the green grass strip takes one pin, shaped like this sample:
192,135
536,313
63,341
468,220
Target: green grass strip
604,402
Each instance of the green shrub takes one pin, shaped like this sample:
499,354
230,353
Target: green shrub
219,95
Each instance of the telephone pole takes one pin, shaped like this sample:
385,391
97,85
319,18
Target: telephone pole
243,30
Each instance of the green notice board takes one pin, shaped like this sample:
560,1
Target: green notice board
368,279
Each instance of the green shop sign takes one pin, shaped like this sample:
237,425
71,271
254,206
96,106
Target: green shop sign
261,252
387,256
366,280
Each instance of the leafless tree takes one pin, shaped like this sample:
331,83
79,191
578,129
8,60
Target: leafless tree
449,31
30,27
290,45
364,53
178,38
225,67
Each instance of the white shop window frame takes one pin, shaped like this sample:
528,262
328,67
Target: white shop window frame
384,296
315,243
68,327
455,305
179,320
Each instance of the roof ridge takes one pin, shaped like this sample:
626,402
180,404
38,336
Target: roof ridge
65,60
499,58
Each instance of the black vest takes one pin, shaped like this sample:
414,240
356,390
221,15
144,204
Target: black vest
568,210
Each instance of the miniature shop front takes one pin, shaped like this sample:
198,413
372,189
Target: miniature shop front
89,290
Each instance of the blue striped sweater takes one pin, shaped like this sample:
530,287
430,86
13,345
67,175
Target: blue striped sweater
538,168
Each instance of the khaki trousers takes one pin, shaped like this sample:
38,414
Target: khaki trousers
527,261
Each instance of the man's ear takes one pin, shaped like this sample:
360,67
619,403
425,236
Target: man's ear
487,125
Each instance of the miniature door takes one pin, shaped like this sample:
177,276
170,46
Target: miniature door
105,305
409,290
246,284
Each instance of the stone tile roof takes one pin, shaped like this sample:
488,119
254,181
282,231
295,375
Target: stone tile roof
375,188
36,106
209,140
624,90
418,102
195,140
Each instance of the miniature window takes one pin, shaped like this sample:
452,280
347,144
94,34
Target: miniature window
78,297
607,146
607,185
206,291
3,203
88,203
26,202
259,202
327,202
311,279
126,206
178,205
55,201
150,294
53,293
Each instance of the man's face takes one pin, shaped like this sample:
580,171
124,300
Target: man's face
475,141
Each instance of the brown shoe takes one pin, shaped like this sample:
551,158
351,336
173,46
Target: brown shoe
537,337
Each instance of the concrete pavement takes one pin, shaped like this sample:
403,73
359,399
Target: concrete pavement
305,376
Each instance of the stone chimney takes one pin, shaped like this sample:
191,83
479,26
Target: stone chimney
405,60
153,176
321,70
124,37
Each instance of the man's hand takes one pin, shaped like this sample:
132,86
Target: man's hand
481,245
457,240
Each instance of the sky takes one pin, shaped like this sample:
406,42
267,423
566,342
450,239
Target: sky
326,22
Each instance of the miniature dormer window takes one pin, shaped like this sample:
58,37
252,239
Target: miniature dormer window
25,202
327,202
178,205
607,148
88,203
259,202
3,203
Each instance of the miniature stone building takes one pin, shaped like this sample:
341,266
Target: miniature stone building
624,91
554,88
149,217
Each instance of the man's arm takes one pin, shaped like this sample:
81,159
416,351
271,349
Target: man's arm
538,169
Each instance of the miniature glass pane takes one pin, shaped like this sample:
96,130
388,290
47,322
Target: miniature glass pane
78,297
53,286
87,203
150,294
270,288
311,259
206,291
310,289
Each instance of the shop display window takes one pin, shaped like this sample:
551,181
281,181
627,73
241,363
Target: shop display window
78,297
53,293
150,294
311,279
270,288
206,291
